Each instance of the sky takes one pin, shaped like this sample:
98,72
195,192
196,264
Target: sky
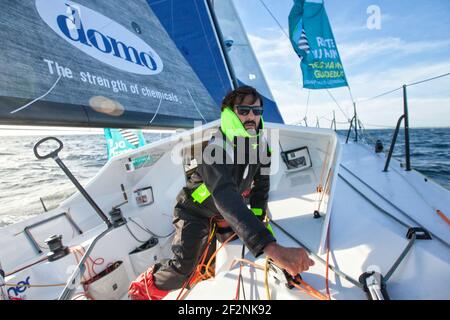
412,44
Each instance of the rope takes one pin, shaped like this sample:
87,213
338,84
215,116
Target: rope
380,95
195,105
307,108
34,285
215,253
332,268
400,259
60,76
335,101
39,98
79,252
373,203
429,79
306,288
157,110
279,24
319,187
246,261
194,277
131,233
25,267
151,232
351,95
390,203
240,278
209,47
266,279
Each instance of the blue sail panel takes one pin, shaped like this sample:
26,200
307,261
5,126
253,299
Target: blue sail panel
194,35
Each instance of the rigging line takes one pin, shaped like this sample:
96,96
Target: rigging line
390,203
432,207
276,20
380,95
429,79
332,268
59,78
400,258
209,46
351,95
195,105
157,110
150,232
307,105
411,84
131,233
39,98
376,125
340,108
407,226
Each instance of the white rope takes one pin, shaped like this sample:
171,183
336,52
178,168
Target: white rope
157,110
195,105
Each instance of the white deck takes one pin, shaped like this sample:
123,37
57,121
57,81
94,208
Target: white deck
363,238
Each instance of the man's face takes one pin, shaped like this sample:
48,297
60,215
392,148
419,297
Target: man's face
250,121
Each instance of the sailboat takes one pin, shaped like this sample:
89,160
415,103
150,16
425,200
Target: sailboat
375,229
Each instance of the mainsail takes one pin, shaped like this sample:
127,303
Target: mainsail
313,41
101,64
98,64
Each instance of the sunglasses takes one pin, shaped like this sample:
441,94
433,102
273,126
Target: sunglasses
245,110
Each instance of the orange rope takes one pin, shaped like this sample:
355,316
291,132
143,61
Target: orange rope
443,216
194,278
306,288
257,266
215,253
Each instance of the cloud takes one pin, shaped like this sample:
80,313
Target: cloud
355,53
428,101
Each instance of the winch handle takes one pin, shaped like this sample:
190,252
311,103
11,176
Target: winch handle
53,154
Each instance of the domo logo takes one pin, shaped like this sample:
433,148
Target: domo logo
99,37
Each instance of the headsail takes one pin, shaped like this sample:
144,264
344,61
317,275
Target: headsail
313,41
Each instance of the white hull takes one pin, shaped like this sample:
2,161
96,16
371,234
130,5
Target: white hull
362,236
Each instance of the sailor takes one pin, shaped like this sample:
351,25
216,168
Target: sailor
214,193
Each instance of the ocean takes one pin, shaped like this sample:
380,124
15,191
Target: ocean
24,180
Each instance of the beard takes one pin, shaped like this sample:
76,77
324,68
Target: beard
250,125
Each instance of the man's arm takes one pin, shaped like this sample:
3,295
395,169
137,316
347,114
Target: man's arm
259,194
229,202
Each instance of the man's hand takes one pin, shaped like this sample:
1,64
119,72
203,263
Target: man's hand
293,260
